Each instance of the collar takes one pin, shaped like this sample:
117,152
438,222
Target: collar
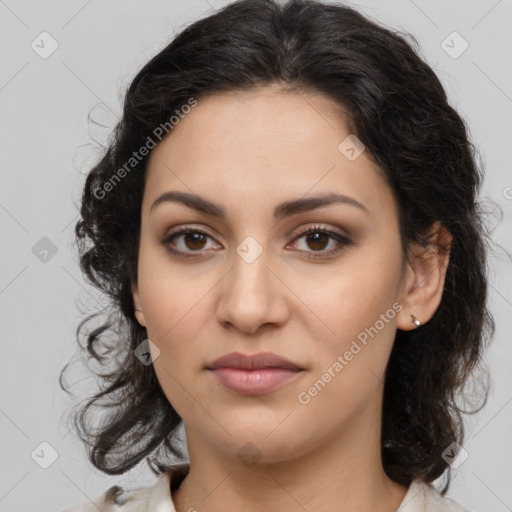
420,496
160,499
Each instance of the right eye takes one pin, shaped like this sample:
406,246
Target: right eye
190,240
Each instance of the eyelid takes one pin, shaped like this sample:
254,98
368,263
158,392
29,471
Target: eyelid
341,239
289,234
188,227
319,227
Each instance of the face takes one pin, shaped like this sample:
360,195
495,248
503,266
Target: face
249,280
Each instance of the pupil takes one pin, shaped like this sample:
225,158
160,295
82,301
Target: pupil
316,237
196,237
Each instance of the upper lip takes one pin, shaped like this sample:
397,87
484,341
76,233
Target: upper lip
253,361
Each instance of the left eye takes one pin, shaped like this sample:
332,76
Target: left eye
318,239
194,240
318,236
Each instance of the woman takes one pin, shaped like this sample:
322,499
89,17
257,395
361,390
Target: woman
286,224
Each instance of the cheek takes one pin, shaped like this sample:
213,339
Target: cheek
350,366
359,307
167,295
355,294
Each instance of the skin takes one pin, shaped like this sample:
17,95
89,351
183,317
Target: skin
248,152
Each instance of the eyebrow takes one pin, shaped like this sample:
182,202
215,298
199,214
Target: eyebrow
282,210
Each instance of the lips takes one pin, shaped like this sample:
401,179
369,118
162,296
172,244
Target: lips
253,361
253,374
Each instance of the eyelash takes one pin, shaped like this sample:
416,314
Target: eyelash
341,239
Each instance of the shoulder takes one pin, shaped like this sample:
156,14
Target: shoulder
116,499
141,499
423,497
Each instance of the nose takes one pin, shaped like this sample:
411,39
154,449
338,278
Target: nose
252,295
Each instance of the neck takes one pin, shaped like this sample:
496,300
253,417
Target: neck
346,470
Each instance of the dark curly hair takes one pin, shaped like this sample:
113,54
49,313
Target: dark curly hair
398,108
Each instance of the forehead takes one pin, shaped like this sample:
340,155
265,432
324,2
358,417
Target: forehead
263,147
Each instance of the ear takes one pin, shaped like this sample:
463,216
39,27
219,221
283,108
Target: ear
424,278
139,315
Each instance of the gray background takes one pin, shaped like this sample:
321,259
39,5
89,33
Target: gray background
47,144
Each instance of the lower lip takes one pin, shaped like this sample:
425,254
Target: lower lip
254,382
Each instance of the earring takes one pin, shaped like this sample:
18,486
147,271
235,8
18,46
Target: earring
415,320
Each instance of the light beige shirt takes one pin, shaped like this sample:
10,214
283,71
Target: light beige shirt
420,497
